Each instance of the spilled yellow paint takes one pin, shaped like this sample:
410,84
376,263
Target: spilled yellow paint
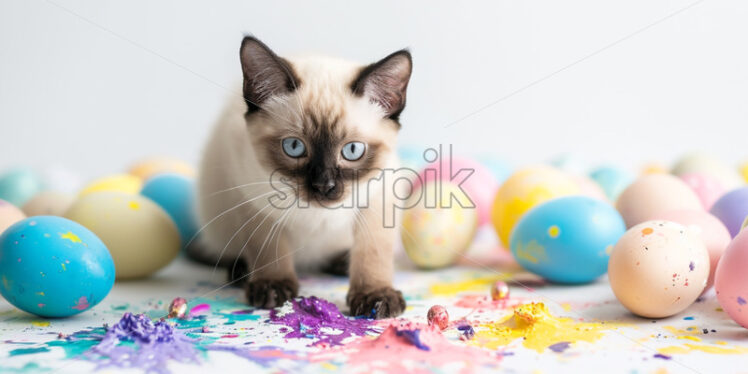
40,323
454,288
688,348
539,329
70,236
133,205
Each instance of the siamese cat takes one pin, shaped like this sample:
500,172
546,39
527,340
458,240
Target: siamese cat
292,177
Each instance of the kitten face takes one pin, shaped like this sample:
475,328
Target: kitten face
325,126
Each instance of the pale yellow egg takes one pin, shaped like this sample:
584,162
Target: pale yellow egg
119,182
149,167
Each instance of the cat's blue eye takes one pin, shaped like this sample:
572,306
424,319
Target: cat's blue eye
294,147
353,151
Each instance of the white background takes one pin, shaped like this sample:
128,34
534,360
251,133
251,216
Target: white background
94,85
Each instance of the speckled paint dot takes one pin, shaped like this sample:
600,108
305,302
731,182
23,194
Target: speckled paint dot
691,266
741,301
70,236
554,231
646,231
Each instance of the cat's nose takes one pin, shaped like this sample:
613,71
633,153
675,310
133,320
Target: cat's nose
324,187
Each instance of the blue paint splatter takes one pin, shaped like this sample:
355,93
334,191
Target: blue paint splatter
688,318
661,356
413,337
559,347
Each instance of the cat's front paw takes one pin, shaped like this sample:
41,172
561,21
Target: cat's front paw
381,303
271,293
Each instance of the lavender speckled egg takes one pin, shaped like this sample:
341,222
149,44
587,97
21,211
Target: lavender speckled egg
731,279
731,209
53,267
658,268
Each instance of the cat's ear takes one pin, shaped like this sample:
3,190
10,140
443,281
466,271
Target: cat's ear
386,82
265,74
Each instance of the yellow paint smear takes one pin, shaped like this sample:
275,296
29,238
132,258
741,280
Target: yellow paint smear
539,329
70,236
40,323
454,288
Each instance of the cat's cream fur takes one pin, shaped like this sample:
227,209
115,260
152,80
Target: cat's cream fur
243,154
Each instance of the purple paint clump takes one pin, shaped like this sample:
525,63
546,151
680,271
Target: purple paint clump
311,317
413,337
136,342
691,266
661,356
467,331
559,347
741,300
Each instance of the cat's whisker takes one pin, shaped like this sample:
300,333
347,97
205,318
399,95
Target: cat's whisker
288,221
229,210
235,234
270,235
241,251
236,187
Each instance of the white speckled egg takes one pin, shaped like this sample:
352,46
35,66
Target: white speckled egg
141,236
48,203
434,233
658,268
653,194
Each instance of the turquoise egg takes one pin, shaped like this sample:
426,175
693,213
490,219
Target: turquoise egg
17,186
176,195
567,240
612,180
500,169
53,267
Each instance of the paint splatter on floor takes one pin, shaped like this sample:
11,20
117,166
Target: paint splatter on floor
538,330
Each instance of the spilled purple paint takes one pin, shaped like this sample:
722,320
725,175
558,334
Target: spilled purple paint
413,337
155,344
467,331
312,317
559,347
661,356
741,300
691,266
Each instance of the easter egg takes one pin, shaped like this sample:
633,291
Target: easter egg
653,194
141,236
411,157
569,163
500,169
62,179
19,185
612,180
658,268
654,168
731,280
176,195
438,316
477,181
568,239
587,187
744,171
54,267
706,187
436,230
119,182
149,167
9,215
712,232
703,163
731,209
48,203
525,189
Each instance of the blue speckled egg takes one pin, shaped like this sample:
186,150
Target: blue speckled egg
567,240
613,180
53,267
176,195
19,185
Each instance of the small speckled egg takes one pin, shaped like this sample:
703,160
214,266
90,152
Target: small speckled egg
731,209
436,230
479,183
713,233
731,279
48,203
706,187
149,167
141,236
499,290
567,240
176,195
654,194
19,185
119,182
54,267
704,163
525,189
438,315
9,215
658,268
612,180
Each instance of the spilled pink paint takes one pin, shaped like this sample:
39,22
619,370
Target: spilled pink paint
82,304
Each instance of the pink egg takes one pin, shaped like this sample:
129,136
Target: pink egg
713,233
707,187
731,279
655,194
480,186
437,315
